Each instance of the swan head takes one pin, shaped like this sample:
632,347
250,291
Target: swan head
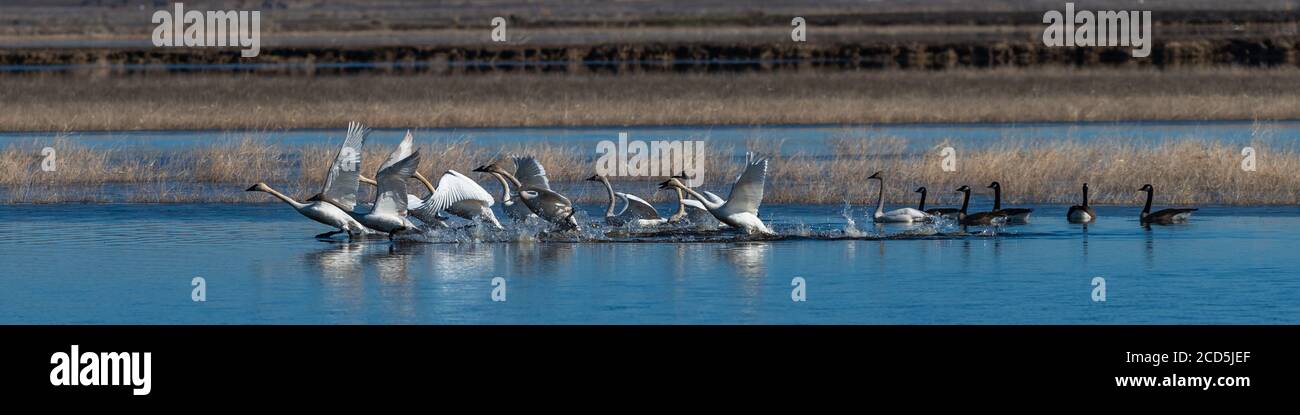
995,185
963,188
482,169
670,183
594,178
876,175
260,187
1146,188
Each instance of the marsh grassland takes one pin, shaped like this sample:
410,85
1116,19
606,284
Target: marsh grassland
239,102
1038,171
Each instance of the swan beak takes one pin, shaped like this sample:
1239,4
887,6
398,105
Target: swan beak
593,178
875,175
252,189
666,184
481,169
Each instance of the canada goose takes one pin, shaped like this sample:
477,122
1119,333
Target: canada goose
320,211
635,211
944,212
741,210
979,218
1082,213
1014,215
903,215
1163,216
389,212
536,193
690,209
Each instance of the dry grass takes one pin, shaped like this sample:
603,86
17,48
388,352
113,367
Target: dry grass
224,102
1184,172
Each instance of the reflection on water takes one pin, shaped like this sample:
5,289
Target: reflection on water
129,264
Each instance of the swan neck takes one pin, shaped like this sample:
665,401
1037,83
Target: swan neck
427,183
704,200
681,206
609,211
505,187
880,198
285,198
513,180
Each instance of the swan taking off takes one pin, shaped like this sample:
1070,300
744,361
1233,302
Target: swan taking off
389,212
692,210
458,195
340,191
636,211
741,209
1163,216
535,191
904,215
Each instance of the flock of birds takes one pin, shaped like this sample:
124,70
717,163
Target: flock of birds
526,195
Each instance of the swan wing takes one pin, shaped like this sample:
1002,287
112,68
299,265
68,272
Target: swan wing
391,194
452,187
404,150
342,180
747,193
637,208
530,173
550,205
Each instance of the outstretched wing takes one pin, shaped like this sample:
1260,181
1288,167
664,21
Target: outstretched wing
637,208
531,173
391,198
403,150
342,180
452,187
747,193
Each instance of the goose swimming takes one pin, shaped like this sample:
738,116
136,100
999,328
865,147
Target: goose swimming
535,191
1081,213
741,209
636,211
339,192
978,218
1163,216
937,212
1014,215
903,215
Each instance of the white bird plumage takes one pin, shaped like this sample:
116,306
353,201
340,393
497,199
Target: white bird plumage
740,210
903,215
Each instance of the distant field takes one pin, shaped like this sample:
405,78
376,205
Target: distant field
224,102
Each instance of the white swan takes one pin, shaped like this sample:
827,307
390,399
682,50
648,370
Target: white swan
636,211
535,191
458,195
741,209
904,215
692,210
389,212
340,188
320,211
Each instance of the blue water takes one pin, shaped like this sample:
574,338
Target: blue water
814,140
134,264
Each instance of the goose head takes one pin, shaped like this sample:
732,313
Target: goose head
876,175
963,189
995,185
1146,188
260,187
920,189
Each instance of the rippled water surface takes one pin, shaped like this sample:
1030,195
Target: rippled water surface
134,264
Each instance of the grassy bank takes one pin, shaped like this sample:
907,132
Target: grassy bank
1184,172
61,103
